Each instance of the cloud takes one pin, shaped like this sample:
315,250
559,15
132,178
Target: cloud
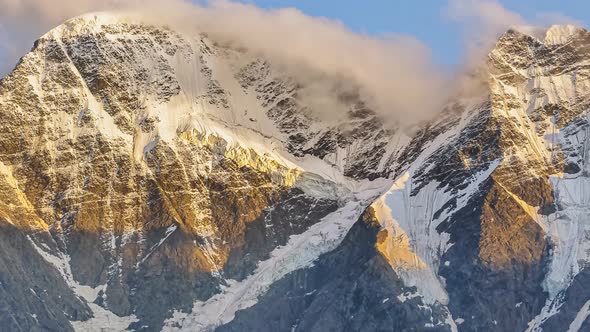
483,21
394,74
484,15
549,18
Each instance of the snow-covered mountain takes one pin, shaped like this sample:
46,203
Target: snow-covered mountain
153,180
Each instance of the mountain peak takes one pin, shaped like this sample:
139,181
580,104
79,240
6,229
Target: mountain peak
89,23
554,35
560,34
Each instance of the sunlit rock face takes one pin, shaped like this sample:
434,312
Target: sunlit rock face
159,181
496,213
148,173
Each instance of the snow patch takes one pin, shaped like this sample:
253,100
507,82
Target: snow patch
103,319
167,234
584,312
560,34
416,246
551,307
403,297
569,229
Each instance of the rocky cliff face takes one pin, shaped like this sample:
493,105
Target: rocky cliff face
153,181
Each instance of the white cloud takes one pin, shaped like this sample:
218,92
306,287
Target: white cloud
394,74
549,18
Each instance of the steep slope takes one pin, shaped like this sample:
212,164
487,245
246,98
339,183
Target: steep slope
158,180
478,219
499,213
159,174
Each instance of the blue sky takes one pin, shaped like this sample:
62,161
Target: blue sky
426,20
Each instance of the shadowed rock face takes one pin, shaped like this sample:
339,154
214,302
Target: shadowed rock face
150,179
33,294
294,213
574,300
349,289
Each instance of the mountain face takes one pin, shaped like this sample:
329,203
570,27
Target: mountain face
154,181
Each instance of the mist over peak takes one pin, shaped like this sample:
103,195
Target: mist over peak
395,75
